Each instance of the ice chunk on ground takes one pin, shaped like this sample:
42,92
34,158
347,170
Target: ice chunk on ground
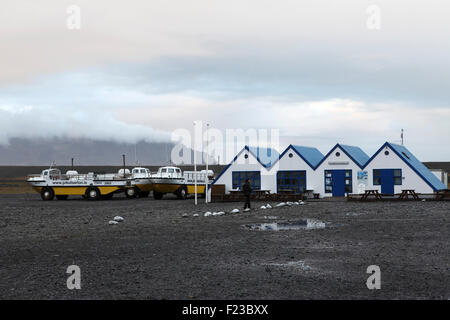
113,222
235,211
247,210
281,204
195,214
268,206
118,218
207,214
263,207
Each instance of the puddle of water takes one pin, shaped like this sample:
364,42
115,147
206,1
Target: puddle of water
304,224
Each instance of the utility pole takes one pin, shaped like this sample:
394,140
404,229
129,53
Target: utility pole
123,159
207,156
195,165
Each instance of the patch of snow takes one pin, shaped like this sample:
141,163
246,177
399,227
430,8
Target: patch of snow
235,211
118,219
112,222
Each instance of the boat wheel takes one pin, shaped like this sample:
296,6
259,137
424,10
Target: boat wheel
131,193
182,193
47,194
92,193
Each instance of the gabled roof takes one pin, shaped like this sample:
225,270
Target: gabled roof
354,153
417,166
265,156
312,156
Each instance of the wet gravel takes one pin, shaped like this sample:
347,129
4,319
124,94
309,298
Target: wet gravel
162,251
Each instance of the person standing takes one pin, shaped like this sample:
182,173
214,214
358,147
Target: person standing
247,189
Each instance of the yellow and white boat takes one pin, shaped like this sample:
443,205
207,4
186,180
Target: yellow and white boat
141,182
173,180
51,183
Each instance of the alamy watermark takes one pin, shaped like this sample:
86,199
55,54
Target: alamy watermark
373,21
221,146
73,21
74,280
374,280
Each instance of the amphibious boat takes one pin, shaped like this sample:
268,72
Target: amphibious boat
51,183
173,180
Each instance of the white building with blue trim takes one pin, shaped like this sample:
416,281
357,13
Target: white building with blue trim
337,172
294,169
344,169
394,168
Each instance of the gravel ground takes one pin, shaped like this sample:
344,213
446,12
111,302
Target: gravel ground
156,253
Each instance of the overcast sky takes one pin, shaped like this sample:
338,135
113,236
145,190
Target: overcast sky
312,69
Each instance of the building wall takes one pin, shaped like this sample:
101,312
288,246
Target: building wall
242,164
315,179
410,179
441,175
333,162
295,163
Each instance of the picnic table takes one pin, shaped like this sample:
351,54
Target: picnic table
371,193
443,194
262,194
406,193
286,191
235,194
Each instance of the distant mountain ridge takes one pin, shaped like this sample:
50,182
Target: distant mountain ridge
42,152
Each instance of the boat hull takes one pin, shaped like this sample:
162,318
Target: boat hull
144,185
75,190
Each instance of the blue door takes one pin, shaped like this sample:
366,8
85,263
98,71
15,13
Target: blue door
387,181
338,183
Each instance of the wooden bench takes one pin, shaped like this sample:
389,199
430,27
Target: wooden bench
370,193
408,192
443,195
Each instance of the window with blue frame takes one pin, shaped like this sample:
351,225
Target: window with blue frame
328,182
291,180
347,181
239,178
398,177
377,177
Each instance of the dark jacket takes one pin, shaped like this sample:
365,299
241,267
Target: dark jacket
247,189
